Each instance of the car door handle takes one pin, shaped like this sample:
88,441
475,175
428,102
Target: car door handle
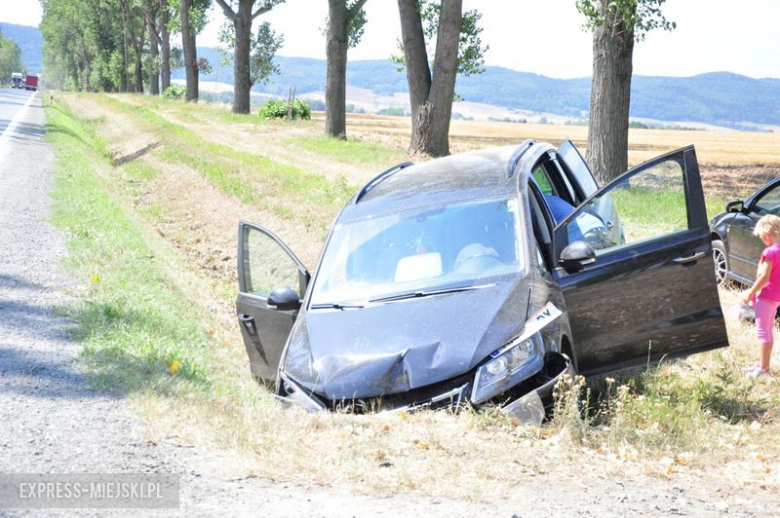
689,258
249,324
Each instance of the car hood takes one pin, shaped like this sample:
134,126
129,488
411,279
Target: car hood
403,345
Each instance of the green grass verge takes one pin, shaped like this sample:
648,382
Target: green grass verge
135,327
348,151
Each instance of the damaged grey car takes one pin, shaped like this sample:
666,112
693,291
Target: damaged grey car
483,278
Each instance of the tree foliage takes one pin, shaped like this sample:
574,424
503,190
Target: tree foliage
471,52
356,22
10,58
105,45
637,16
265,43
356,25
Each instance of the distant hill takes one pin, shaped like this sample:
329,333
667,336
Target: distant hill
719,98
29,41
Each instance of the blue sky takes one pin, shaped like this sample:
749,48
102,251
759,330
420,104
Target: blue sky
541,36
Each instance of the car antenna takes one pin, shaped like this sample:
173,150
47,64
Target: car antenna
378,178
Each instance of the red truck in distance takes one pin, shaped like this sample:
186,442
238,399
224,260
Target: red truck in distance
31,82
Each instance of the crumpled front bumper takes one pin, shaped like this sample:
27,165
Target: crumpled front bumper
529,406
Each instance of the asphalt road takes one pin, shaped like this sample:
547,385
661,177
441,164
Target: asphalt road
15,128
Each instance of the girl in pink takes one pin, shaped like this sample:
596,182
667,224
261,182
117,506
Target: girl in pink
766,290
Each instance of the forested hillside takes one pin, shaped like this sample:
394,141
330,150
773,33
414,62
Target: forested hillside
29,41
716,98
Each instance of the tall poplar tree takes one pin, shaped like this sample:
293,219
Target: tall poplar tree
616,25
458,49
346,20
241,14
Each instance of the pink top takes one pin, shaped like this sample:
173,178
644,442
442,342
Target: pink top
771,290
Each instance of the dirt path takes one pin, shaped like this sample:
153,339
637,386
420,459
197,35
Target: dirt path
273,141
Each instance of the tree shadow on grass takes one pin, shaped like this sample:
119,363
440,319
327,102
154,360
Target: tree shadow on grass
132,351
52,129
124,351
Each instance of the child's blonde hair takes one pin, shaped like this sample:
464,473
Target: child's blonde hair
769,224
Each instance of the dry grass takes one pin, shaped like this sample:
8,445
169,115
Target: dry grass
481,455
714,147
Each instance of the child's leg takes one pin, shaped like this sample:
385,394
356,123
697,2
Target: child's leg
765,319
766,354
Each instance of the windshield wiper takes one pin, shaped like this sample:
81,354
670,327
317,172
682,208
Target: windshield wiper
429,293
336,305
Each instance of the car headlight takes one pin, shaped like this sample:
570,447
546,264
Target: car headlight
508,366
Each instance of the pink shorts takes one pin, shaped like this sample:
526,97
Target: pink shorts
765,319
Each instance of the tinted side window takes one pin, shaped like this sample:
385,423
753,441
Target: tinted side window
266,264
768,203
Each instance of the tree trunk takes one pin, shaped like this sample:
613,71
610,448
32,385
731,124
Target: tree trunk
190,52
165,46
139,76
242,83
610,99
127,84
418,72
154,51
431,98
336,83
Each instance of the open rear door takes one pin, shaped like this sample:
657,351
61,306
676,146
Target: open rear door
578,169
271,282
646,291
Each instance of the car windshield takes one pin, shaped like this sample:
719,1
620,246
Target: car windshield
420,251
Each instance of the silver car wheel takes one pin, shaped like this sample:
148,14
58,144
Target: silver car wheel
721,266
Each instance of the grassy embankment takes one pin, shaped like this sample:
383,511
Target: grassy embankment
137,321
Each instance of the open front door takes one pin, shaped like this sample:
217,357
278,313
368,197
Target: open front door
645,290
271,282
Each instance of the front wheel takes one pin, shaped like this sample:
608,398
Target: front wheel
721,261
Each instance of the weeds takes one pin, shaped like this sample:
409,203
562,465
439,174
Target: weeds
659,410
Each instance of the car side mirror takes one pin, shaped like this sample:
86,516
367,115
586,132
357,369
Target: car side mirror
284,298
735,206
577,255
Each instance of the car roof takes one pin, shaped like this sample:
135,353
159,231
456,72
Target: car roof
463,177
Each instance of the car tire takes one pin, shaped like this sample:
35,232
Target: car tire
721,261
